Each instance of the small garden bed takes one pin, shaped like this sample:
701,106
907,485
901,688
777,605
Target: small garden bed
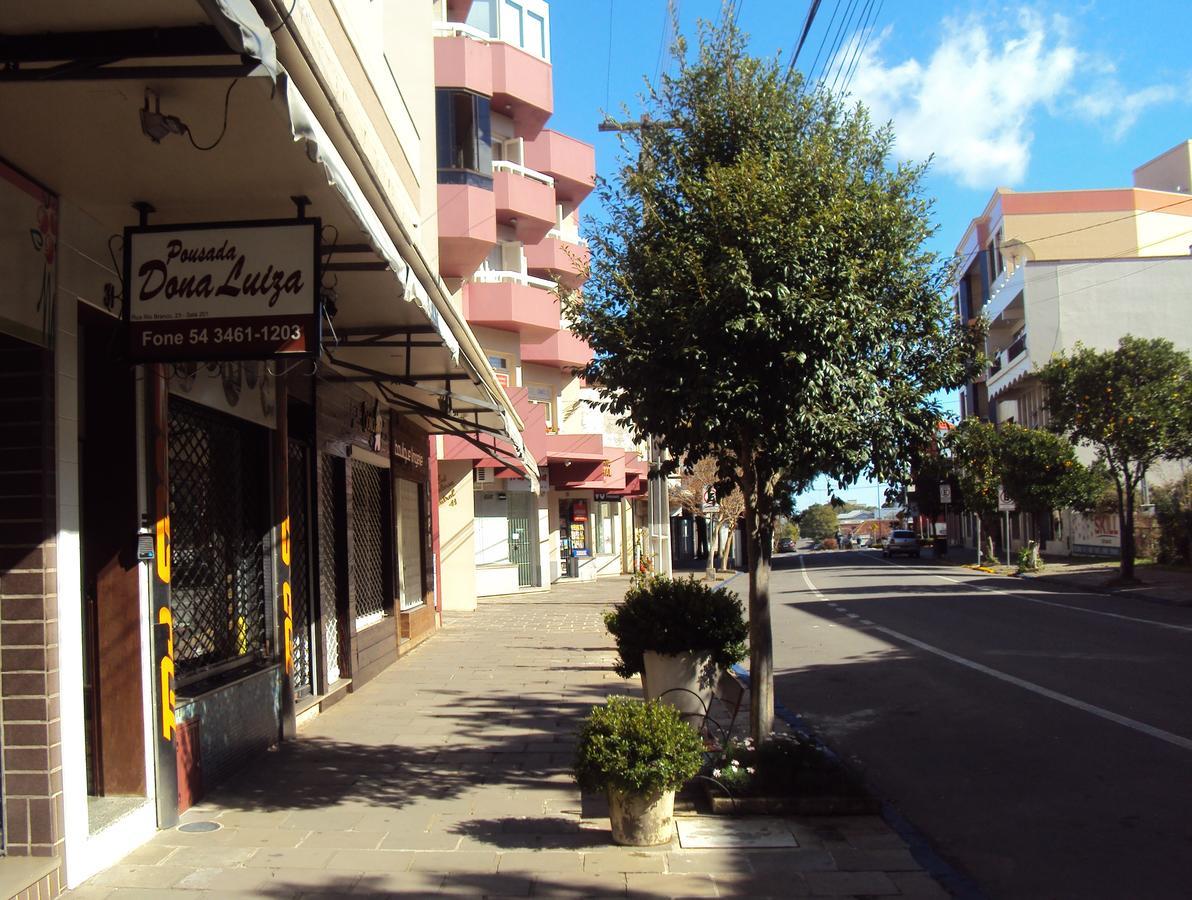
788,775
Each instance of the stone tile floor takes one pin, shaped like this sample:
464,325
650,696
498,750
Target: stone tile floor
448,775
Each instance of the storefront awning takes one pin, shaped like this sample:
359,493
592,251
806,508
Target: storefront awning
480,408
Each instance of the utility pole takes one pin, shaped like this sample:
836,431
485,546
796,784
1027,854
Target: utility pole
658,500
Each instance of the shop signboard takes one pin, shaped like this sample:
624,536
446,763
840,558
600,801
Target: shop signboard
28,249
579,511
222,290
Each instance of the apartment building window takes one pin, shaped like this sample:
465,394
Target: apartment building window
997,265
500,366
543,396
464,122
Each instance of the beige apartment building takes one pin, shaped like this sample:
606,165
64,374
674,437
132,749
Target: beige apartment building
226,359
1050,269
509,195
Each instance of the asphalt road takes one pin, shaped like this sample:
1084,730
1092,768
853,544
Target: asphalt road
1040,739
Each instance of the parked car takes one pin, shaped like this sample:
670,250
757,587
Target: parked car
786,545
902,542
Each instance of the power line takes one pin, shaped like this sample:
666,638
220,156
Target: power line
823,40
830,61
853,44
811,11
848,78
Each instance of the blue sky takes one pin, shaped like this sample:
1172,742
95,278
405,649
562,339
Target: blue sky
1030,96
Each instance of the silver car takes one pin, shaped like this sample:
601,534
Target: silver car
902,542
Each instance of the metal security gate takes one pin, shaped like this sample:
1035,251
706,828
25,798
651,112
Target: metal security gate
300,581
330,565
523,538
218,511
368,541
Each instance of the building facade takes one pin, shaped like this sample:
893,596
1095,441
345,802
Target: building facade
1050,269
509,193
226,358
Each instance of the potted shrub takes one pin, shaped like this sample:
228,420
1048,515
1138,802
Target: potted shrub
639,753
678,634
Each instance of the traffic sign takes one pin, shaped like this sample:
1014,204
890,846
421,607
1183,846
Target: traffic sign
945,492
710,505
1005,503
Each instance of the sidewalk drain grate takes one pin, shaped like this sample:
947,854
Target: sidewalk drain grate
193,827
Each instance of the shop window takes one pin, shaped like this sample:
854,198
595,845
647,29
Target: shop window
464,122
606,521
218,516
410,514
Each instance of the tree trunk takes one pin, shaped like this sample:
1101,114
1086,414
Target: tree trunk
726,548
713,524
758,524
1126,526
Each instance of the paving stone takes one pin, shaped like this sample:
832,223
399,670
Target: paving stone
148,855
264,837
224,880
541,861
343,840
477,884
132,876
791,861
290,858
875,861
648,885
573,886
421,840
706,862
370,861
624,861
919,885
837,884
472,861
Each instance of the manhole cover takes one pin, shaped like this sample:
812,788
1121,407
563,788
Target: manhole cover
709,833
192,827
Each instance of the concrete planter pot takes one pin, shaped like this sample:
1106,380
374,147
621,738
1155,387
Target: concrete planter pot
682,680
641,820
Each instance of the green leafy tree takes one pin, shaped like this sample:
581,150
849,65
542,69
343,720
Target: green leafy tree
1133,405
1041,471
758,235
975,468
819,521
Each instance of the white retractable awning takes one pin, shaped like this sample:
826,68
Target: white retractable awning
483,407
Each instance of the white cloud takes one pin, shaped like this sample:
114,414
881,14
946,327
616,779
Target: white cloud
970,104
1110,103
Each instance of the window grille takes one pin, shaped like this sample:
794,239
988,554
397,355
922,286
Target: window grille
299,494
329,566
218,497
368,541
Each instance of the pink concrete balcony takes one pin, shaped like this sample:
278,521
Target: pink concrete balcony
562,349
467,228
606,474
527,200
463,62
587,447
570,162
558,259
523,88
510,306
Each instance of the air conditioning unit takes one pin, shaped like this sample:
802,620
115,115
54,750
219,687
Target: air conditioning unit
483,477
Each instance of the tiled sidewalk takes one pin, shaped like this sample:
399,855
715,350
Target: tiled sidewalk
448,774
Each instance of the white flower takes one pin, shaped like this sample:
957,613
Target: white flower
715,773
735,764
751,770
